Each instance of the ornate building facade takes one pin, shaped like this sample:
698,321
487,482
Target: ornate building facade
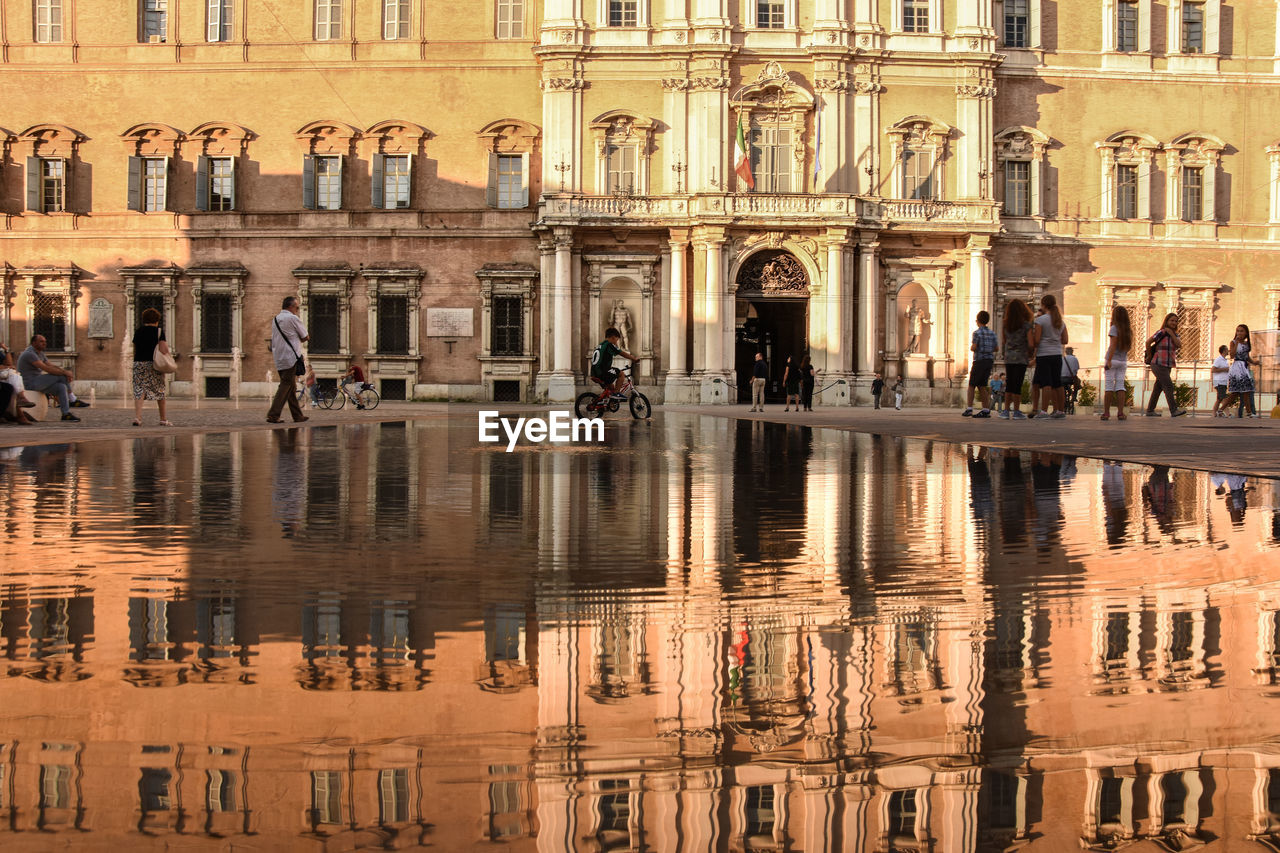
466,201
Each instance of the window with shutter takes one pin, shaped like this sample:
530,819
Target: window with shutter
1126,192
328,182
1017,188
509,180
218,23
395,181
395,19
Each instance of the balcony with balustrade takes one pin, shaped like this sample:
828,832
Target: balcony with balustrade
768,210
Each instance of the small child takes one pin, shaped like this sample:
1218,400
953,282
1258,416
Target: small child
997,396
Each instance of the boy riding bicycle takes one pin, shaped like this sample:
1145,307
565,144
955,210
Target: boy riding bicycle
602,362
353,376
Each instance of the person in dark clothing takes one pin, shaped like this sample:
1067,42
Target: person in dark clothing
791,384
877,390
807,379
759,377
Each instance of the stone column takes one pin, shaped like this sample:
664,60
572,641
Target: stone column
981,283
709,329
561,388
839,333
677,381
868,287
974,97
864,160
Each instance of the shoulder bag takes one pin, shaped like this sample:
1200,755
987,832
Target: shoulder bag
163,362
1151,347
299,366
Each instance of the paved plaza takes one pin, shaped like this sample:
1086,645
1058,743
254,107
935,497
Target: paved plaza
1230,445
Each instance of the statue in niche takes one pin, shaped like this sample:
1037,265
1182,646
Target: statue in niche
916,321
621,320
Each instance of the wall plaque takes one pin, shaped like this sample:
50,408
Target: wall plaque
101,323
450,322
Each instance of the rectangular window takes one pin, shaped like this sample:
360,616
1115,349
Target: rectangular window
510,180
1002,793
621,165
761,812
55,786
623,13
48,20
221,791
51,196
902,814
1126,192
1192,328
324,323
1017,23
154,183
1110,801
393,796
50,319
1127,25
155,20
218,24
771,159
506,811
510,19
328,20
144,300
770,15
1192,193
915,16
395,181
1117,637
395,19
222,183
393,325
614,807
154,788
326,797
328,183
917,174
215,322
508,326
1017,188
1193,28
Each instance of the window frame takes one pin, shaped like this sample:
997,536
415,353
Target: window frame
53,25
1126,191
327,281
207,177
1202,152
219,21
1186,30
919,135
622,13
327,14
397,14
380,197
39,184
1017,202
513,19
151,13
142,188
311,181
1127,148
911,12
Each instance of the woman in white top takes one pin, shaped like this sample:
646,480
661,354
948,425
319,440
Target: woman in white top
1048,336
1120,338
1220,374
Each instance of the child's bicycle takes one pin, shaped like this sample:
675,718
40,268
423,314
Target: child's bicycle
592,404
336,398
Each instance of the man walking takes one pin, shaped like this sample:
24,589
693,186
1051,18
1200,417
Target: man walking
40,376
287,336
877,389
759,376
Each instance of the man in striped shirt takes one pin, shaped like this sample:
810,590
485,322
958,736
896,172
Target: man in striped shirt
984,358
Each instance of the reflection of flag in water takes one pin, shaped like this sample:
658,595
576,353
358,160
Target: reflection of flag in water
817,145
741,162
738,658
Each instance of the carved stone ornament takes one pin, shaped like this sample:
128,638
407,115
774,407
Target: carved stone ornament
564,84
773,72
829,85
675,84
973,44
681,37
976,91
773,273
832,37
1017,145
865,40
867,87
705,83
715,36
566,36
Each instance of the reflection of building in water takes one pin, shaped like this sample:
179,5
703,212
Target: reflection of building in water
758,639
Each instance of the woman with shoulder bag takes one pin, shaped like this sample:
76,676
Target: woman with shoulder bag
1162,350
148,382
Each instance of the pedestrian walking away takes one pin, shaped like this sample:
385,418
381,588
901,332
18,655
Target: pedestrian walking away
791,384
759,377
1048,336
148,382
1220,375
1116,362
1016,346
877,389
983,347
288,334
1161,352
808,376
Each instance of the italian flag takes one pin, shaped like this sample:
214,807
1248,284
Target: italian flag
741,160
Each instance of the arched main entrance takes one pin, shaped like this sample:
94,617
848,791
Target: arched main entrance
772,317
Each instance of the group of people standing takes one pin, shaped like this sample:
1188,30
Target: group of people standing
797,383
1023,337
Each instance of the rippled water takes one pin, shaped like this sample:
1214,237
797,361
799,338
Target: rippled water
706,635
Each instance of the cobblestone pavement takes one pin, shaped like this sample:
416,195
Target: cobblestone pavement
1248,446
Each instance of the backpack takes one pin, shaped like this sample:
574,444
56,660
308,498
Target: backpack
1151,347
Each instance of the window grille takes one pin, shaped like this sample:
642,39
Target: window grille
1126,192
623,13
506,391
149,299
1017,23
217,387
393,325
392,389
915,16
508,325
1192,332
324,324
1017,188
50,319
215,322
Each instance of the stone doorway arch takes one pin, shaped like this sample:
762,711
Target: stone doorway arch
771,316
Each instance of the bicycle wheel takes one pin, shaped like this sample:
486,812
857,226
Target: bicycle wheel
584,406
640,408
331,398
369,398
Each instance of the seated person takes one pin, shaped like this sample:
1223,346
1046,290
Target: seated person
602,368
15,402
39,374
353,376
